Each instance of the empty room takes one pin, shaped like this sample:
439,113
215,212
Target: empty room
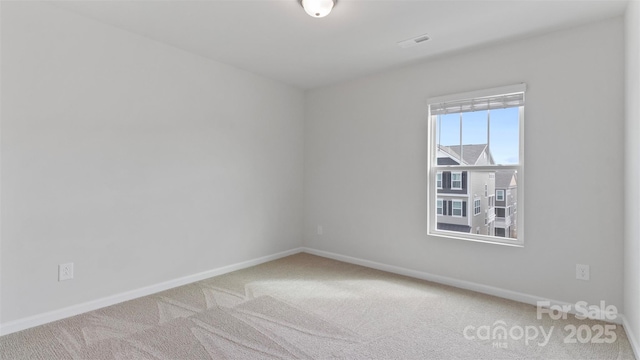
320,179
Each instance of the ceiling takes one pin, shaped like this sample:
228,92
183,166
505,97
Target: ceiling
277,39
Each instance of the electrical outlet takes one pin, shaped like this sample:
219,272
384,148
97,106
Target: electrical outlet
582,272
65,271
320,230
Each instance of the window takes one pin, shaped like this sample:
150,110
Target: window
456,208
475,145
456,180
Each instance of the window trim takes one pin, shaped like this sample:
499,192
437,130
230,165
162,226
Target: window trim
479,207
439,181
433,167
441,207
500,198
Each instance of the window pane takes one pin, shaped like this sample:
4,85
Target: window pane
504,136
456,180
506,214
448,136
474,132
488,137
481,211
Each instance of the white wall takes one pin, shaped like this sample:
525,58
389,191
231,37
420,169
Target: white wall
138,162
365,165
632,168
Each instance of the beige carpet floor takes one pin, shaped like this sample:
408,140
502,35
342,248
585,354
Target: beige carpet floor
309,307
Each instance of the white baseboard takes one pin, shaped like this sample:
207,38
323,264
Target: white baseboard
633,340
485,289
41,319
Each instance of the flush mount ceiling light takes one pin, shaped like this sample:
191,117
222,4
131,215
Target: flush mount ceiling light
318,8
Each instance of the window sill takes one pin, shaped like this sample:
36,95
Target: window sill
476,238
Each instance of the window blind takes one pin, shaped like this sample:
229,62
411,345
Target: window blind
477,104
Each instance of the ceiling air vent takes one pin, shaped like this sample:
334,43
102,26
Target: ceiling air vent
414,41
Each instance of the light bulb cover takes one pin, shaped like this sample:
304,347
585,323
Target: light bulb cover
318,8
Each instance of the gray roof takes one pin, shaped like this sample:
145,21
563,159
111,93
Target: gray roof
470,152
447,161
503,178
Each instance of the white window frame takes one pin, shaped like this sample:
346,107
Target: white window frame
440,207
453,207
456,187
439,180
433,168
498,193
477,207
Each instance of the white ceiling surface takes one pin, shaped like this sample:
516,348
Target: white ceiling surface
277,39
